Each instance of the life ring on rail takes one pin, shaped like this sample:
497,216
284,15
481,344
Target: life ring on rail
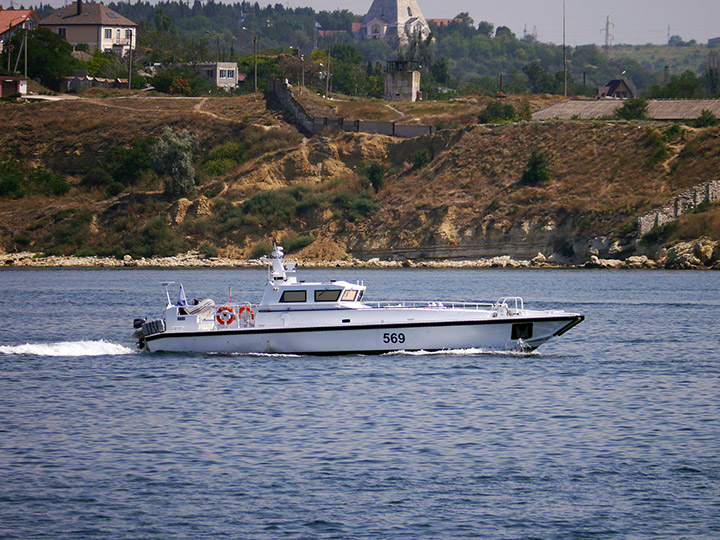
225,315
243,309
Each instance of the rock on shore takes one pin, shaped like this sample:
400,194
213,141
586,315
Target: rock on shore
698,254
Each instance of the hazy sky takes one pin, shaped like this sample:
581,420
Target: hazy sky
632,21
635,21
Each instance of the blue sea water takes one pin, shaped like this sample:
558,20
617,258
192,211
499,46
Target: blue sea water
611,431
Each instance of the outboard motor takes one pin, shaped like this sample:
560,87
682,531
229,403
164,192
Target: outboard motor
137,323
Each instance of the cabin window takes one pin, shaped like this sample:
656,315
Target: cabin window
349,295
294,296
327,296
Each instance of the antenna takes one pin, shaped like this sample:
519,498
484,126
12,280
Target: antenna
668,35
608,36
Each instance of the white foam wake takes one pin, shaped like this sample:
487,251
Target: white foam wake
67,348
465,352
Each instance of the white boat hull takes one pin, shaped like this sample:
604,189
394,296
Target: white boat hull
486,334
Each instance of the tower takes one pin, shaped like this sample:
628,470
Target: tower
387,18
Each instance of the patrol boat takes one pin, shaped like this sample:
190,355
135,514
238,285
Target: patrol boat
297,317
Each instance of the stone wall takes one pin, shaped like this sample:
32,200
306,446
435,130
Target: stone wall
683,203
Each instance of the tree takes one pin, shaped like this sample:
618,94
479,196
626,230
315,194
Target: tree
49,56
539,80
633,109
172,155
485,28
537,169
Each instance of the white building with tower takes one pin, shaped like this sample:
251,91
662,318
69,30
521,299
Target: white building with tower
394,18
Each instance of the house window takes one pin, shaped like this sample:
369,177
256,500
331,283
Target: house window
128,35
294,296
62,32
409,12
108,33
117,35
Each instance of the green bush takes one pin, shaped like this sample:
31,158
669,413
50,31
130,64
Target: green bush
422,158
353,208
216,167
706,119
172,155
155,239
633,109
207,250
261,249
659,235
496,112
295,242
655,141
374,172
17,181
536,170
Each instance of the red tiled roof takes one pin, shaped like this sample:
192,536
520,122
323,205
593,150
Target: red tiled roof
10,18
90,15
443,22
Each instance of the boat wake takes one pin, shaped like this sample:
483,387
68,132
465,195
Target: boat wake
68,348
464,352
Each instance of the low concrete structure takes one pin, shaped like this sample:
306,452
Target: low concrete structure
658,109
402,80
12,85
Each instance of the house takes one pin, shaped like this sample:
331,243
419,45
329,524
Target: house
94,24
12,85
617,88
394,18
12,20
222,74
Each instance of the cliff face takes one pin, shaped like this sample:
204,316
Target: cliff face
466,202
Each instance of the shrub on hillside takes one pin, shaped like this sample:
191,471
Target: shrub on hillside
496,113
633,109
706,119
172,155
374,172
18,181
536,170
422,158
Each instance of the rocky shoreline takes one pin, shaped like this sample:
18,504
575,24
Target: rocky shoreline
702,254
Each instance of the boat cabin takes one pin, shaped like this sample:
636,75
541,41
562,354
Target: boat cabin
304,296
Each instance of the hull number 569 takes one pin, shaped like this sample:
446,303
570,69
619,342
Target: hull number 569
394,338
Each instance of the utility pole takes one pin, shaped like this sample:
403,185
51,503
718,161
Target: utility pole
254,52
327,77
564,55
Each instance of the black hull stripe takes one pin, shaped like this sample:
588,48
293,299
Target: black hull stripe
572,321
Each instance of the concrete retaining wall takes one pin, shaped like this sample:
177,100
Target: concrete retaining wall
683,203
317,125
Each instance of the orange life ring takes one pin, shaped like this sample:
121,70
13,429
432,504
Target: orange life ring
225,315
243,309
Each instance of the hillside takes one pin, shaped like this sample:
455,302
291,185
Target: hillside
315,195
